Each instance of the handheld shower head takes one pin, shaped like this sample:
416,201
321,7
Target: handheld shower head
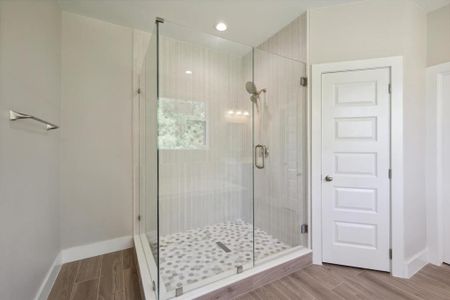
253,91
250,87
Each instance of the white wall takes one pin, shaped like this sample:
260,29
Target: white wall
30,83
382,28
439,36
96,184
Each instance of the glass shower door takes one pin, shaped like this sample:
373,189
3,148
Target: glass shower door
280,155
222,158
205,187
148,175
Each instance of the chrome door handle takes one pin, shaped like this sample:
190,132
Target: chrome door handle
328,178
259,156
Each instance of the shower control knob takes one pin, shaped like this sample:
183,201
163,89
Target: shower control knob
328,178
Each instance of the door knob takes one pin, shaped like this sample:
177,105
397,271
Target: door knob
328,178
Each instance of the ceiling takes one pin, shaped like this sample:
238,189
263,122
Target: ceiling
249,21
430,5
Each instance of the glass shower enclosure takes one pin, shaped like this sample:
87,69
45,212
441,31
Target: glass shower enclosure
222,153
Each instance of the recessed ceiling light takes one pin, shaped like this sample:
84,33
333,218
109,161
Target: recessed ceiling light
221,26
230,112
188,72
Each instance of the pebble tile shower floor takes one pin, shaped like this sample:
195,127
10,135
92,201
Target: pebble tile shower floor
194,255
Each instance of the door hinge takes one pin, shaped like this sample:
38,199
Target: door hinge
304,228
153,285
304,81
139,218
390,88
139,91
390,174
390,253
178,291
239,269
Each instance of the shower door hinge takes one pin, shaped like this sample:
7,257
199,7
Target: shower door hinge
139,218
304,228
239,269
304,81
390,173
178,291
390,253
390,88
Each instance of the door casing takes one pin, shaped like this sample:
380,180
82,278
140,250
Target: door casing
395,64
436,209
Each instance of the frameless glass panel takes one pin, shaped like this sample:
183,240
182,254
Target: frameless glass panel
205,159
280,155
148,224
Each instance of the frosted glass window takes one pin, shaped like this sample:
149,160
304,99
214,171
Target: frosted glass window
182,124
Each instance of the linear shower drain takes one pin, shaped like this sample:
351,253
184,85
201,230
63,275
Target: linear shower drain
223,247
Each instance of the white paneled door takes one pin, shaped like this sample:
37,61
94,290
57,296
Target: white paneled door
356,168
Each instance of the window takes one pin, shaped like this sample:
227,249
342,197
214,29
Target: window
182,124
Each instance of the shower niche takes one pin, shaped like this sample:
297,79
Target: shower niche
222,159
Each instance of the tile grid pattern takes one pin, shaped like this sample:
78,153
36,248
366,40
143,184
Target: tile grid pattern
191,256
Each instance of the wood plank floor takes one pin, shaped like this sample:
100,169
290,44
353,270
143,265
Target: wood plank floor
110,276
114,276
337,283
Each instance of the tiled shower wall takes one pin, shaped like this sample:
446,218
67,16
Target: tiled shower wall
203,187
280,188
207,186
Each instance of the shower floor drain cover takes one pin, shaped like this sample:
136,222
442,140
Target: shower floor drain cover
223,247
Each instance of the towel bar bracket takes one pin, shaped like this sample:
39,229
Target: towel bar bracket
14,115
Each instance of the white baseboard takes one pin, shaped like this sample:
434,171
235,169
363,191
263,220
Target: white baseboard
99,248
77,253
416,263
49,279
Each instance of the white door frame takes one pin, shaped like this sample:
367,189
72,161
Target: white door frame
435,212
395,64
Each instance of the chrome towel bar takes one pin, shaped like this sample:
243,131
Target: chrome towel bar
14,115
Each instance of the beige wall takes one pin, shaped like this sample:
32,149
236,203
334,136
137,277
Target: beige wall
96,184
30,83
290,41
369,29
381,28
439,36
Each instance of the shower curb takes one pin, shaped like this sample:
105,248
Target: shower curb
257,280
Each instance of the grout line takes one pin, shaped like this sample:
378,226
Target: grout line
99,276
74,283
123,272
